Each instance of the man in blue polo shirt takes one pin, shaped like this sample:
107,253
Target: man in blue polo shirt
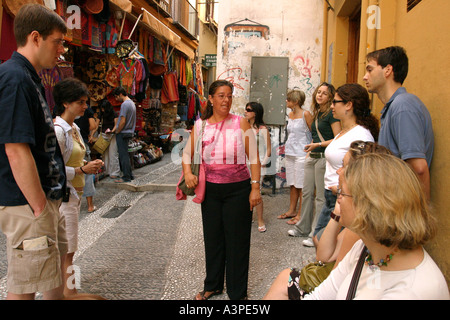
406,127
32,172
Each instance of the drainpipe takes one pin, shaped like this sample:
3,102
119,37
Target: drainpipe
325,43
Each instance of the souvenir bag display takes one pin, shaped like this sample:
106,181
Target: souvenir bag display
195,165
314,274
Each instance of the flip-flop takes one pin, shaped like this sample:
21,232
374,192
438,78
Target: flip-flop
284,216
293,221
262,228
95,208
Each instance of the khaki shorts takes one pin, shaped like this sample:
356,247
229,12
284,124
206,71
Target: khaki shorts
33,269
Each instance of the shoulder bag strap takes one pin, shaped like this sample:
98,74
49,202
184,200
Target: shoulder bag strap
198,144
356,274
317,129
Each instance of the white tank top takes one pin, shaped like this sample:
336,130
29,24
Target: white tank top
298,137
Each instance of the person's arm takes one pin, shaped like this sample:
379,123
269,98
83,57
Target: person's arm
251,150
26,175
308,118
420,167
93,126
336,127
266,135
121,124
188,152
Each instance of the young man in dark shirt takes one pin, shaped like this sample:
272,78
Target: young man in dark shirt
32,177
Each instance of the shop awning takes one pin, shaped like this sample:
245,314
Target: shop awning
186,50
125,5
160,28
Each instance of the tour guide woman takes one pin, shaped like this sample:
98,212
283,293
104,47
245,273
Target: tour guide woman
231,192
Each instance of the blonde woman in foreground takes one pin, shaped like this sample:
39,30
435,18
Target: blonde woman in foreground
394,222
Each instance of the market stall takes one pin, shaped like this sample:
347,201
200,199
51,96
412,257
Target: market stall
114,46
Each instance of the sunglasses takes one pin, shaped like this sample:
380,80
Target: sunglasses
248,110
337,101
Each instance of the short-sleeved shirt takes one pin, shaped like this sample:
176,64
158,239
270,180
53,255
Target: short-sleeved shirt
26,118
325,129
128,110
406,127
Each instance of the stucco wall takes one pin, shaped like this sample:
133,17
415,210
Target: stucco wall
295,32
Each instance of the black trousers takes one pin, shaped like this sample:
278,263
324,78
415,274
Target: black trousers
227,223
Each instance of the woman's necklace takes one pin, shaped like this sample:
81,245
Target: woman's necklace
77,137
344,131
383,262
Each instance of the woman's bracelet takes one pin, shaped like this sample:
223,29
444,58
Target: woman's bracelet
81,168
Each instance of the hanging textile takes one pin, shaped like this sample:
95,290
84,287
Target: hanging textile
96,35
157,52
8,41
189,73
50,77
191,106
86,27
127,75
169,92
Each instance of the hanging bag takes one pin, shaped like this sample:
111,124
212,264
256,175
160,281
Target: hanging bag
195,165
102,143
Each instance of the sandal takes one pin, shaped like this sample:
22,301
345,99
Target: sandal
203,294
90,211
284,216
293,221
262,228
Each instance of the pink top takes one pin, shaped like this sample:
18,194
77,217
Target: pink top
224,157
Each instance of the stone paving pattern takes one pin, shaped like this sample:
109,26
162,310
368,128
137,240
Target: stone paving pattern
154,249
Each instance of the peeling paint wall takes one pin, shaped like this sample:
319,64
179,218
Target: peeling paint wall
295,32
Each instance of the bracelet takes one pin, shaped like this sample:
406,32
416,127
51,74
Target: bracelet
320,143
334,217
81,168
254,181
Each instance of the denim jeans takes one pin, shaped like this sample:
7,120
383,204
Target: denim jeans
122,140
330,201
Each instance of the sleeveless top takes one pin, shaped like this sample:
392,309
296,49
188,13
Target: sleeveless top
298,137
77,160
224,157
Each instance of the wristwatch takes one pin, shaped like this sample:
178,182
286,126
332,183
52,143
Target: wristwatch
334,217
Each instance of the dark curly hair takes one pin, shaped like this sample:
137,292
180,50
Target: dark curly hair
67,91
358,95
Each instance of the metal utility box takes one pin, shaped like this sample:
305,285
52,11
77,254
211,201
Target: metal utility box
268,86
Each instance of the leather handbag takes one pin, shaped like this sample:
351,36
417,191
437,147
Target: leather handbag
102,143
195,165
313,274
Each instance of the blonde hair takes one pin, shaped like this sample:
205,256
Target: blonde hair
296,96
389,202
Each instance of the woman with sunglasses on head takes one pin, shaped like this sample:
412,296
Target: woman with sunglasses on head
324,128
351,105
335,242
298,136
394,222
254,113
231,192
